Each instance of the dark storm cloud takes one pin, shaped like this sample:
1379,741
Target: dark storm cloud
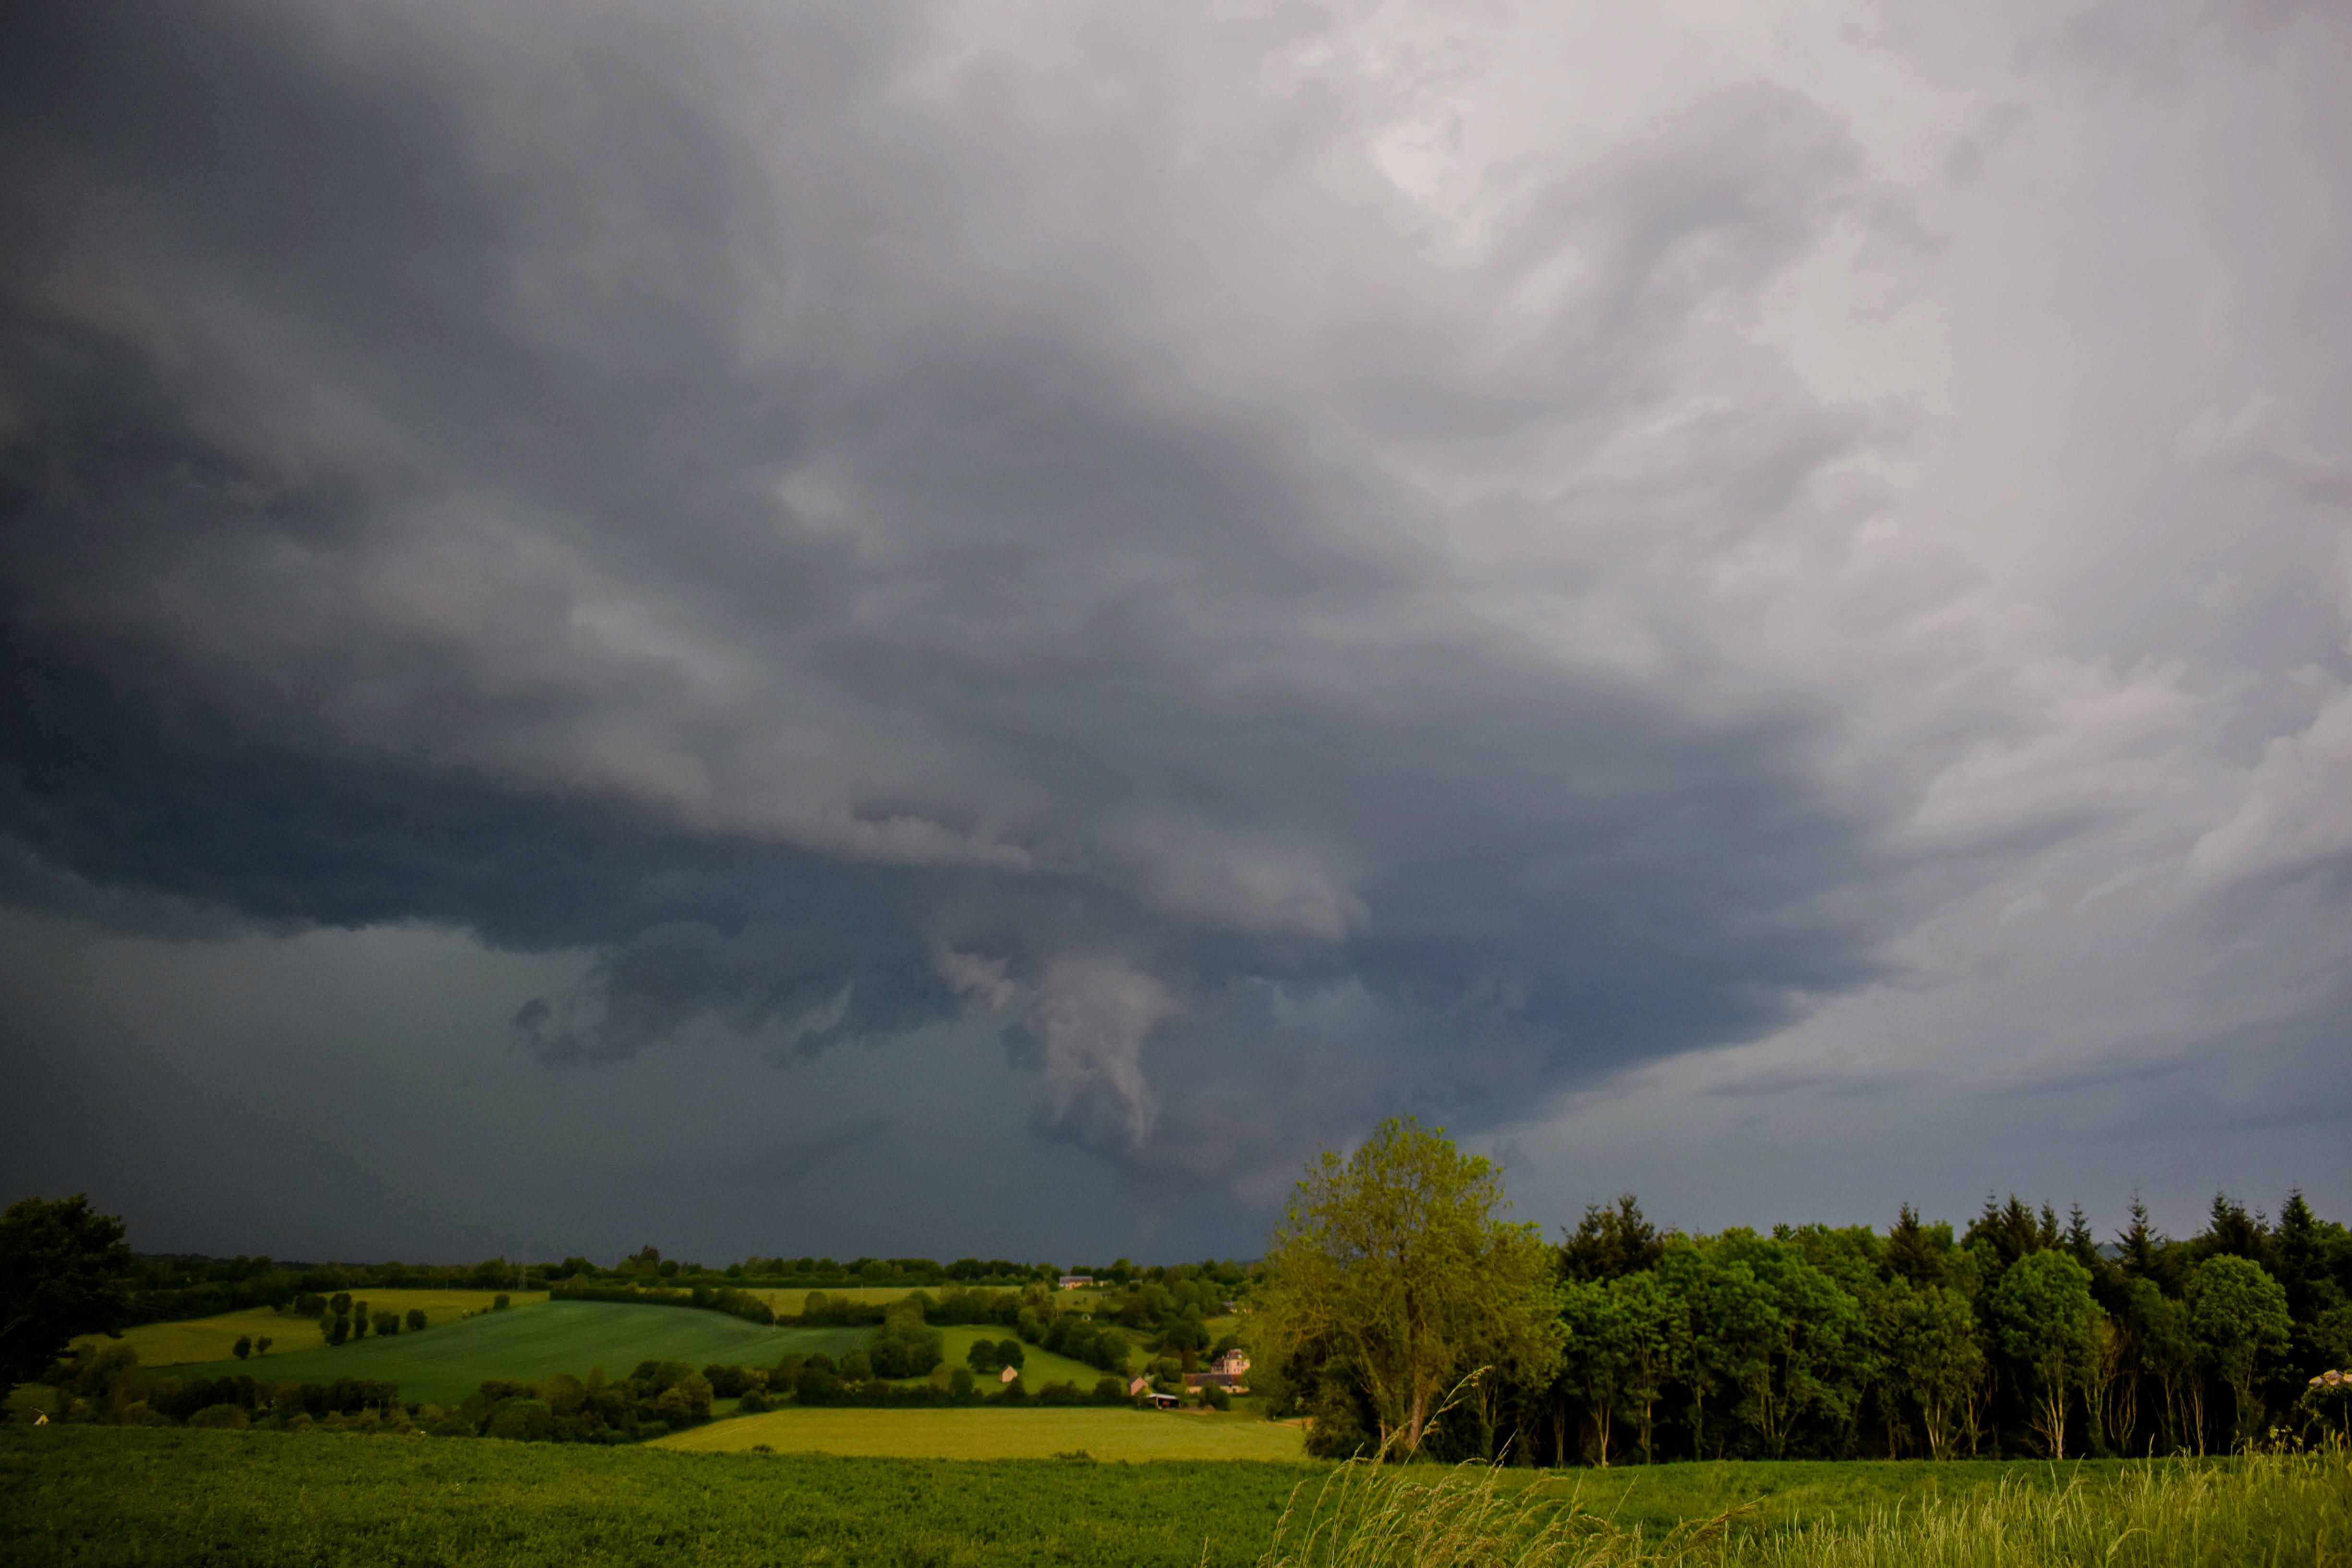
849,518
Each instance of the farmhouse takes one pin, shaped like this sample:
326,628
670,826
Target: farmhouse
1226,1373
1076,1282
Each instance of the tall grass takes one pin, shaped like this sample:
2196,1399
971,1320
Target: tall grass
2275,1511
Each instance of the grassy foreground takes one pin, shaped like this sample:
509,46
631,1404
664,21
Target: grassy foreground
88,1495
84,1495
445,1364
2274,1511
965,1434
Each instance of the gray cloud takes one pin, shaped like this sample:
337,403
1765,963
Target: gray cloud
1285,575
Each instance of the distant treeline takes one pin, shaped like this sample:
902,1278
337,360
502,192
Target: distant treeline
2023,1334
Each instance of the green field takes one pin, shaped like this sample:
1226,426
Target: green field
443,1365
209,1338
788,1303
94,1495
91,1496
1038,1367
1105,1433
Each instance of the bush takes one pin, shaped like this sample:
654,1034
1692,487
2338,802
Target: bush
225,1417
751,1403
417,1319
1109,1391
1214,1397
856,1367
498,1303
960,1384
387,1323
243,1348
1064,1392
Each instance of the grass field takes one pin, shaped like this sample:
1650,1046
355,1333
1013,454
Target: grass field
1038,1368
789,1302
445,1364
1105,1433
100,1496
209,1338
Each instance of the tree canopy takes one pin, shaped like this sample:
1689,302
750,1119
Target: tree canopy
1392,1279
61,1267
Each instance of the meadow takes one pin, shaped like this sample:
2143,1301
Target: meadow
1119,1434
443,1365
210,1339
91,1495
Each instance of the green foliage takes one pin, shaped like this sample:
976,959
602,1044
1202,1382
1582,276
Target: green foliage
61,1263
417,1319
1393,1272
2238,1314
2049,1331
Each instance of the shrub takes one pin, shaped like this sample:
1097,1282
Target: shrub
960,1383
225,1417
856,1367
1109,1391
498,1303
243,1348
387,1323
751,1403
417,1319
1063,1392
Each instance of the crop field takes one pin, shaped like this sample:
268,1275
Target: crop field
96,1496
93,1496
993,1434
445,1364
209,1338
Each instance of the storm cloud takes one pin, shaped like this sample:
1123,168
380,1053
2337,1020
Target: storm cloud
1285,565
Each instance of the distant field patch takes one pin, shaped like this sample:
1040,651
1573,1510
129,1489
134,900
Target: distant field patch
789,1302
445,1364
966,1434
210,1339
1040,1368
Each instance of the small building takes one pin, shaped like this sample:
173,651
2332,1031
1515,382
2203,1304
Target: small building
1163,1402
1008,1375
1140,1387
1076,1282
1226,1373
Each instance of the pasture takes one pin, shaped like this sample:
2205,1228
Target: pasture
209,1338
445,1364
96,1496
995,1434
1038,1368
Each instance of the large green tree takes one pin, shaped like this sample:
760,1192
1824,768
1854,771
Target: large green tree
61,1274
2049,1328
2238,1314
1936,1358
1394,1269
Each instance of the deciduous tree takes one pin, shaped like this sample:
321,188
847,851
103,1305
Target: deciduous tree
1395,1261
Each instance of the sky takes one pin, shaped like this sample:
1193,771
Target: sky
974,628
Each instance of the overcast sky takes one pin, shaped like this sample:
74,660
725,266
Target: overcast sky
801,629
